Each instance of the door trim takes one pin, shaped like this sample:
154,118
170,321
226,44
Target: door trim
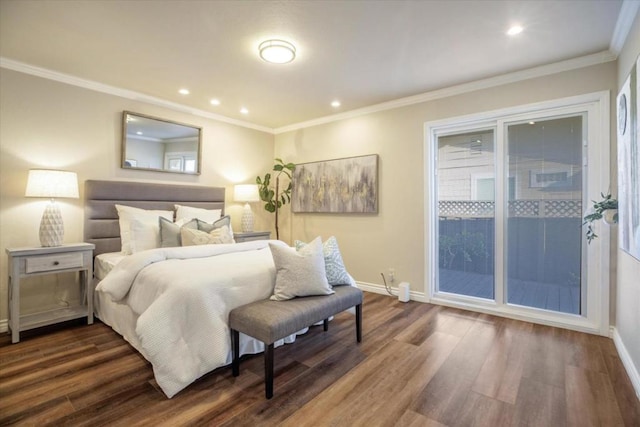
595,319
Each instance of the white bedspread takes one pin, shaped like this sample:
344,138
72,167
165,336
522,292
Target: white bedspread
183,297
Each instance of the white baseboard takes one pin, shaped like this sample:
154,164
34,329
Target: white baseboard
627,361
380,289
4,325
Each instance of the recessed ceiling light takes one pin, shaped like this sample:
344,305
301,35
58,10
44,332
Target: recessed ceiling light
277,51
244,110
138,133
516,29
215,102
184,91
532,123
335,104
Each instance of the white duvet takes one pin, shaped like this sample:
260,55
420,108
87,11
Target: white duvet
183,297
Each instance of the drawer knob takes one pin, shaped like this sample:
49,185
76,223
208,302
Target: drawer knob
56,262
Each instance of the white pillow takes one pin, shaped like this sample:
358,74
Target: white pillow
334,266
192,237
143,234
299,273
206,215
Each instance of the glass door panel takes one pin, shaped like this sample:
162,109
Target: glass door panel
466,212
544,214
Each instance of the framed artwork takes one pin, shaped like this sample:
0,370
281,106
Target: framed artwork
628,128
347,185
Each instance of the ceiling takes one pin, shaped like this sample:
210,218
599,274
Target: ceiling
359,52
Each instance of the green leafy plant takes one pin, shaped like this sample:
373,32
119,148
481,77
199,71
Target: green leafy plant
598,212
272,193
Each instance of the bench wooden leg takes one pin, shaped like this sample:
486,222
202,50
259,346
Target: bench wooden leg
359,322
235,344
268,371
326,325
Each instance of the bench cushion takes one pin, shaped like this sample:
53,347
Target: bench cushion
269,321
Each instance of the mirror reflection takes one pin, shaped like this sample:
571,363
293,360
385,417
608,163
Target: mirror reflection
150,143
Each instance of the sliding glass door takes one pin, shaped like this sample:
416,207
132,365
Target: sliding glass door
505,199
466,213
544,215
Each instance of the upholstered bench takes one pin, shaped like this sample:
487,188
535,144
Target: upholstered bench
269,321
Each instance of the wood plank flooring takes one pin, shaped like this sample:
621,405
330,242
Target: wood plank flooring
418,365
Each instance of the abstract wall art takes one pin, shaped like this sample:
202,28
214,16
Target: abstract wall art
347,185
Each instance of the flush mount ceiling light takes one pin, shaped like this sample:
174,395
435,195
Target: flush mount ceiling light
277,51
516,29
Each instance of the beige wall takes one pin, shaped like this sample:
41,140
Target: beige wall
627,319
394,237
53,125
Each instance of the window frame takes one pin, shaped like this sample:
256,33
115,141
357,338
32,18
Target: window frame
596,106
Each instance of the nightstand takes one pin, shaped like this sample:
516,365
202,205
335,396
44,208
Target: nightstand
37,261
254,235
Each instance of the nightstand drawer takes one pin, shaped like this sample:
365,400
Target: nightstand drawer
253,235
53,262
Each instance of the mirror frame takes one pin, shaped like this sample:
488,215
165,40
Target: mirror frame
123,165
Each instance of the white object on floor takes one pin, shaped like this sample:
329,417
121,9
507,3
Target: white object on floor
403,292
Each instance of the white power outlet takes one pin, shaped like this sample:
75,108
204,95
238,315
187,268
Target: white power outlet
392,275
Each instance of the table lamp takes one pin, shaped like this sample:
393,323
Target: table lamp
52,184
246,193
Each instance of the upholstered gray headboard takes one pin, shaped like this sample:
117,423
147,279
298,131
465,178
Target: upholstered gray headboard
101,217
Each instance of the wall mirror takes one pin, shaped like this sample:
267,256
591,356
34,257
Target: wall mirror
150,143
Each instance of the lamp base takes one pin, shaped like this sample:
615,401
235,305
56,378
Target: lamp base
247,219
51,226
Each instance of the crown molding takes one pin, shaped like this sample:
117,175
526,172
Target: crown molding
530,73
627,15
544,70
22,67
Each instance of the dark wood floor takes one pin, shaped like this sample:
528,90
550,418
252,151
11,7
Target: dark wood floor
418,365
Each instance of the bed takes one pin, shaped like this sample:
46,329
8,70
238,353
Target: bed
172,304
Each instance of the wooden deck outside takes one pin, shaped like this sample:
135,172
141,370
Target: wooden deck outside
548,296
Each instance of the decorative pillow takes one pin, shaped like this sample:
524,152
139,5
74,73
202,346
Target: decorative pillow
224,221
206,215
336,271
192,237
170,231
147,228
299,273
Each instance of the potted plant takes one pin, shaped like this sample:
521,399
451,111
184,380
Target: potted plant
272,193
606,209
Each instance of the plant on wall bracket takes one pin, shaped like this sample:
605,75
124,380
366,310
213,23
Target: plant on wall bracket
599,211
270,191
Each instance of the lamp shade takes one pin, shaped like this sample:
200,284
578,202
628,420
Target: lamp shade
246,193
52,184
